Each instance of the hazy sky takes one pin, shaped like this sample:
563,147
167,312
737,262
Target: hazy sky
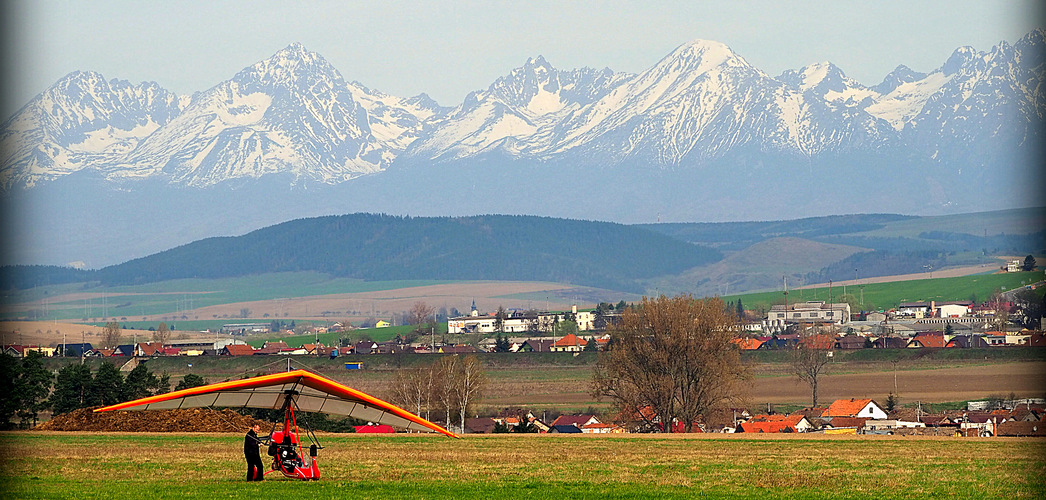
448,48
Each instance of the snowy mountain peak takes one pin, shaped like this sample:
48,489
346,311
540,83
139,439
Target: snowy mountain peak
900,75
958,59
291,64
824,76
537,62
700,56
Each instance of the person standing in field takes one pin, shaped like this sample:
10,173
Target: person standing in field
250,451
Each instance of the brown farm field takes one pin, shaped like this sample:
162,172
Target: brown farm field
568,388
50,333
488,295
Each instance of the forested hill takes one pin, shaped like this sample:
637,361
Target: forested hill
383,247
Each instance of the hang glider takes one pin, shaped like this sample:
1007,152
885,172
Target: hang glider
308,391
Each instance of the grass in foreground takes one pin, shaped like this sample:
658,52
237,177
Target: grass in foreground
39,465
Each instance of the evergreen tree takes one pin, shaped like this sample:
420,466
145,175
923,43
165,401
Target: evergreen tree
140,383
501,344
948,331
33,386
740,310
9,371
71,389
190,380
1029,263
621,305
163,386
591,345
107,387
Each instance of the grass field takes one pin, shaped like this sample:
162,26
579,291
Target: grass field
78,465
888,295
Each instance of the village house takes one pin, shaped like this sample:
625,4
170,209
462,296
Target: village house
747,344
775,424
811,312
927,339
20,351
569,343
578,421
854,408
519,322
237,350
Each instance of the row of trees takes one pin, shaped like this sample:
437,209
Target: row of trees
26,387
450,387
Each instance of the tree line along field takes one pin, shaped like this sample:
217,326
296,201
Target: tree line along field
146,465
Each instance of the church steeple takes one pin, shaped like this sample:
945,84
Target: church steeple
474,312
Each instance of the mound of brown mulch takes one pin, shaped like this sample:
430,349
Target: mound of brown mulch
187,420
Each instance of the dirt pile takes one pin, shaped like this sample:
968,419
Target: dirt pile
187,420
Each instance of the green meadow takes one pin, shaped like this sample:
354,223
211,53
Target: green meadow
880,296
95,465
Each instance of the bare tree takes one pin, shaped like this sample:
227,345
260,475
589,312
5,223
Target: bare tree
810,358
446,370
412,389
162,334
421,315
111,335
674,357
1001,313
468,385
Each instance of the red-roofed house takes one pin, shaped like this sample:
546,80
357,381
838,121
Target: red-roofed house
854,408
819,341
927,339
237,350
578,421
747,344
273,347
148,349
569,343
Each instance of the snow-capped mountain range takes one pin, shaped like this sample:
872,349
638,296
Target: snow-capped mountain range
668,140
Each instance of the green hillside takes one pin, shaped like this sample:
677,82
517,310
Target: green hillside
879,296
380,248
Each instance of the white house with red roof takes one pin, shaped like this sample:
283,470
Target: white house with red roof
857,408
569,343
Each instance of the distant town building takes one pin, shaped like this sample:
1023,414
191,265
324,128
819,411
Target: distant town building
780,316
519,321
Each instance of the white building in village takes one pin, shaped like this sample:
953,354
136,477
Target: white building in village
781,316
518,322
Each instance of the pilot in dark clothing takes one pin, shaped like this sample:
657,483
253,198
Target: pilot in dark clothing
250,451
